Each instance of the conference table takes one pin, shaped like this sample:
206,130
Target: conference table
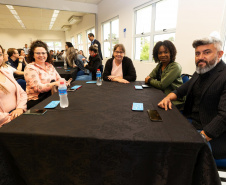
58,63
99,140
67,73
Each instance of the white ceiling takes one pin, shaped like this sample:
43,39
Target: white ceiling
86,1
37,18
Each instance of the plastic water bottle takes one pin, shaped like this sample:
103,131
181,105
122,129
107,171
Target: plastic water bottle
65,64
98,77
63,94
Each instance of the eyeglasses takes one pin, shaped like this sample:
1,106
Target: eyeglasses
40,53
119,52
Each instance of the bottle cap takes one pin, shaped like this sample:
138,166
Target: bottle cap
62,81
98,69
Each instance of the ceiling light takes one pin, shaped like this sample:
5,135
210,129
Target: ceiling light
66,27
53,19
55,15
10,7
56,11
13,11
74,19
17,17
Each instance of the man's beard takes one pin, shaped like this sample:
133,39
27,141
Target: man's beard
208,67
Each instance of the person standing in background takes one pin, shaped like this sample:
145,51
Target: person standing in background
26,49
94,41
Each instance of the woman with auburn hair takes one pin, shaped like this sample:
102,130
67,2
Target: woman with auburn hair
13,98
71,54
40,75
119,68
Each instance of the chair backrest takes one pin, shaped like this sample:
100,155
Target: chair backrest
185,77
221,163
221,166
101,68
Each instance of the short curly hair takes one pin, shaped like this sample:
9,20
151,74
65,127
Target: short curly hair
35,44
168,45
94,48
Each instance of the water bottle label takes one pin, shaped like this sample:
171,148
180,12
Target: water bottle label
62,91
98,75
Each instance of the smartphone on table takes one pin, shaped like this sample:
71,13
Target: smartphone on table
36,111
154,115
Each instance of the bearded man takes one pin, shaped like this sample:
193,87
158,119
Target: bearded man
205,92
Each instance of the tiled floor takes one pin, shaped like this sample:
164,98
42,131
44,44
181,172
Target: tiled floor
222,174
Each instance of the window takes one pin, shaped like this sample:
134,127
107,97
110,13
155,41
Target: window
92,30
73,41
154,22
110,36
54,45
80,43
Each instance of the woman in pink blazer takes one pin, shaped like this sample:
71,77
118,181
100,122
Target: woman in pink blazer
13,99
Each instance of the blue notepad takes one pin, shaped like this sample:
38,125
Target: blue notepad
138,87
52,105
91,82
67,70
138,107
76,87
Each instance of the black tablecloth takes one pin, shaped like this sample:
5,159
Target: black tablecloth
67,73
58,63
99,140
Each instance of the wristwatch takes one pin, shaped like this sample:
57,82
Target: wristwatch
203,136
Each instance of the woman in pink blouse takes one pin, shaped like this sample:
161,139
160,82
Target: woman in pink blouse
13,99
40,75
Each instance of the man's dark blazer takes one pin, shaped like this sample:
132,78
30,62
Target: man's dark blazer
212,108
99,47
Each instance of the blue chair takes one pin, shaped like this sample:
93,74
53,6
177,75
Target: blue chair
22,83
185,77
221,166
84,77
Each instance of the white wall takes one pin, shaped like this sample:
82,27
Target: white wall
87,22
195,18
10,38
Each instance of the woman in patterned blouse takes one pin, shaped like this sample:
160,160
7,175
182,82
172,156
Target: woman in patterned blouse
40,75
